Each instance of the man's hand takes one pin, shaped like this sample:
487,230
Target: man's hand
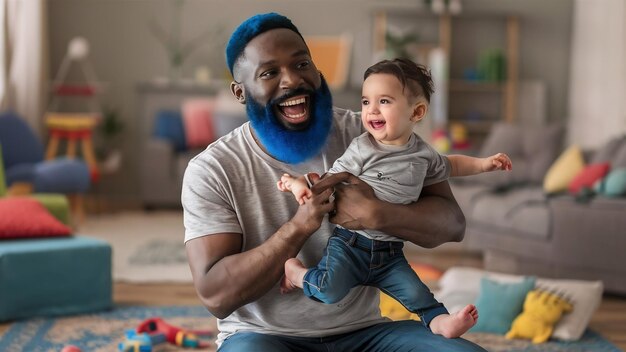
434,219
355,201
311,212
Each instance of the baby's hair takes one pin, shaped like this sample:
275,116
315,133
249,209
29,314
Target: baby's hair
410,74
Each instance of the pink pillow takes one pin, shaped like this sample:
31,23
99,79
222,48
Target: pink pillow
22,217
588,176
198,122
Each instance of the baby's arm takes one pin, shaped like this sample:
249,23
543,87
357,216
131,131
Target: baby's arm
463,165
296,185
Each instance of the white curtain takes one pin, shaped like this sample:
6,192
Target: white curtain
597,108
24,58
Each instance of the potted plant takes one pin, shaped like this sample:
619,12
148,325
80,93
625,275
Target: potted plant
109,130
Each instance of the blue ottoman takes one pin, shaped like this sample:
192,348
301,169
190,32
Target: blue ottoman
56,276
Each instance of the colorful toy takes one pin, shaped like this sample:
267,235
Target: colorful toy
542,309
458,136
70,348
173,334
440,141
142,342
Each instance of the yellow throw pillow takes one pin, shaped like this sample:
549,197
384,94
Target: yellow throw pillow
564,169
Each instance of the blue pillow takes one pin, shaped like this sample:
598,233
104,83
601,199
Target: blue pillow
614,184
499,304
168,125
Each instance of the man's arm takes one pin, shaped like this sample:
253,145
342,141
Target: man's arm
434,219
226,278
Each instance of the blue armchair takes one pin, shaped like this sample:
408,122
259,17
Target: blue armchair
24,162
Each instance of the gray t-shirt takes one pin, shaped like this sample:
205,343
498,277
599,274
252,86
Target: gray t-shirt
396,173
231,187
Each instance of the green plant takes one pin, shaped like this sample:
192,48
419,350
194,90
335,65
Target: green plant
111,124
398,44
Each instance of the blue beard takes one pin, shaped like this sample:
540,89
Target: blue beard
289,145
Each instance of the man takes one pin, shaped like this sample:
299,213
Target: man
240,230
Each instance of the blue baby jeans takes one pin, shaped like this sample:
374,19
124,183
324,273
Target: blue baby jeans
351,259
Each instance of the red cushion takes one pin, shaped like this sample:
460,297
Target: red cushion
22,217
588,176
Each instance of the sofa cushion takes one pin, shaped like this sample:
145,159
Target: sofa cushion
619,159
24,217
54,276
512,210
588,176
564,169
460,286
499,303
614,184
503,138
541,148
198,122
532,218
467,193
531,149
168,125
607,152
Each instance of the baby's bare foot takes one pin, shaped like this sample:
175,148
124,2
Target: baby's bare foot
294,274
454,325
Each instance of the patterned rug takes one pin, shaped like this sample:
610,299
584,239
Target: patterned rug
147,246
104,331
100,332
590,342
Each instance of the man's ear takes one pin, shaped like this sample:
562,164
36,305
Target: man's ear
238,91
419,111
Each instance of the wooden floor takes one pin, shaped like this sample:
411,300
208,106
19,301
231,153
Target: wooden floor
609,320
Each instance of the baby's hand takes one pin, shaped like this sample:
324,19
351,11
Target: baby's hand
284,184
297,186
499,161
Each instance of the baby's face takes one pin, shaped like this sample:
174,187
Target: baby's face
386,111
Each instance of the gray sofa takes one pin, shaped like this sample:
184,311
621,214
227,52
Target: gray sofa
161,166
521,230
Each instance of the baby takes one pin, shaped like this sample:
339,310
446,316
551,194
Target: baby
396,163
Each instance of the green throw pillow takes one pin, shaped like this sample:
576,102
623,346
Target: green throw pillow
499,304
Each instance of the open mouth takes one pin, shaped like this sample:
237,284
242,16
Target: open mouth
377,124
295,110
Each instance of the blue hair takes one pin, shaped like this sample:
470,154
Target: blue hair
249,29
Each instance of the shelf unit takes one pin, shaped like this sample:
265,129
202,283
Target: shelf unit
465,97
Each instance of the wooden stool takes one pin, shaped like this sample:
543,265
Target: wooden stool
73,128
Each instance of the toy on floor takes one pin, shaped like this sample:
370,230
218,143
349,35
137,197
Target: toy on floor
70,348
140,342
542,309
173,334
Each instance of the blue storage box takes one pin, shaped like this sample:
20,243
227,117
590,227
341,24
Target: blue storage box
55,276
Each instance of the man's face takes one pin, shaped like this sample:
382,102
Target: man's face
287,101
277,69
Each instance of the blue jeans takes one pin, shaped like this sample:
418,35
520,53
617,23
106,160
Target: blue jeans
351,259
399,336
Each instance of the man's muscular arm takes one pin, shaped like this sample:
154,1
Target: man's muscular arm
434,219
226,278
